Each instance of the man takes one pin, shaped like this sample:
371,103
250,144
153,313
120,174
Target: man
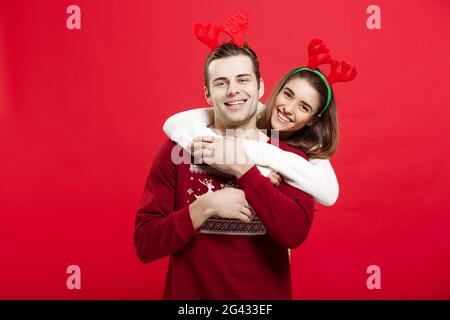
204,218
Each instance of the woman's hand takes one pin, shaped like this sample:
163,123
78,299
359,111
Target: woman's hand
275,178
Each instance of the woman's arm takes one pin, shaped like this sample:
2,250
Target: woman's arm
184,126
315,177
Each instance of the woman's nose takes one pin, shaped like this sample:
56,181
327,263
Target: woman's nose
289,108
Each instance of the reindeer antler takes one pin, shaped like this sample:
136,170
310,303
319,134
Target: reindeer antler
236,27
203,33
318,54
347,73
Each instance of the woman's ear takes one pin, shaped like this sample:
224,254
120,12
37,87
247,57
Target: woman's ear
207,96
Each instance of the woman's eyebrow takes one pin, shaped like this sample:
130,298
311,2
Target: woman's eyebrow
305,103
290,91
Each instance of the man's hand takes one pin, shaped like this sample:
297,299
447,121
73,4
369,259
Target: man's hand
226,203
226,154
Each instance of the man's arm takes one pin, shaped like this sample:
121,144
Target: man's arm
286,212
159,230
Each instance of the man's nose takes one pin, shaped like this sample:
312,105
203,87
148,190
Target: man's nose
233,88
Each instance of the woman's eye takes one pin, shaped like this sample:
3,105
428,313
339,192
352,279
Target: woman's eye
304,108
287,94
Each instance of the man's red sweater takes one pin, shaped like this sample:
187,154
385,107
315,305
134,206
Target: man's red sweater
224,259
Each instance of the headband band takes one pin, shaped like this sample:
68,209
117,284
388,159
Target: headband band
339,70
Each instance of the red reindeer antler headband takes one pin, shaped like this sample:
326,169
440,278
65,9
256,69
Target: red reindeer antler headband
235,28
319,55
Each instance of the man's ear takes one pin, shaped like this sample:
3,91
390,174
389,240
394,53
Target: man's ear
261,88
207,96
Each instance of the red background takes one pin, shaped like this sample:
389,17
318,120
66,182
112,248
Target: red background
81,114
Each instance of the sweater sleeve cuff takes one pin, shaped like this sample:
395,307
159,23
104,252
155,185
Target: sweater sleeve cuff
251,179
183,224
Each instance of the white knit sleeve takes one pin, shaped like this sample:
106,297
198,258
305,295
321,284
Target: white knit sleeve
183,127
316,177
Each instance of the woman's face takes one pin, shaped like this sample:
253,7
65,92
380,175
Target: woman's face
295,106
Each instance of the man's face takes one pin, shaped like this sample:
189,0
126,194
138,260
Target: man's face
233,90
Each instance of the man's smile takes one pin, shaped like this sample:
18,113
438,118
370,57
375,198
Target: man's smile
235,104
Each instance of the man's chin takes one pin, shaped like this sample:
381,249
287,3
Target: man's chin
237,117
234,108
236,114
234,118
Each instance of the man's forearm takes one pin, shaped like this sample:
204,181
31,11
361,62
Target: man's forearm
286,215
239,170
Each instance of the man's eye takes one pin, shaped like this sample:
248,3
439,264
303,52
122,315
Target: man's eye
218,84
243,80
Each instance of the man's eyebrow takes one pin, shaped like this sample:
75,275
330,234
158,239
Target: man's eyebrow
220,78
238,76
